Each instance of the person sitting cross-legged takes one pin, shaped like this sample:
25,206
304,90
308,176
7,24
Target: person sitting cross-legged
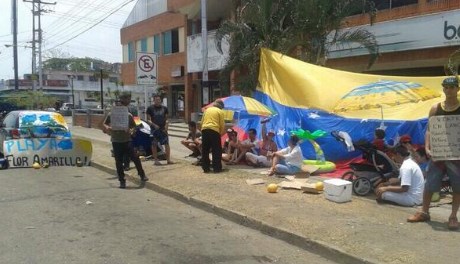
407,190
191,141
249,145
267,147
288,160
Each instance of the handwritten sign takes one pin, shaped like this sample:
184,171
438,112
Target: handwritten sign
119,118
56,152
445,137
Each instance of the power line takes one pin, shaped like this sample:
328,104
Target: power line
100,21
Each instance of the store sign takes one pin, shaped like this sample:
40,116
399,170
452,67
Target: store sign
413,33
146,68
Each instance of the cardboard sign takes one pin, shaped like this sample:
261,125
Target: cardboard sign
445,137
119,118
56,152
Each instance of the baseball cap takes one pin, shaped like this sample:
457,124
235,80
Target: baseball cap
450,81
230,130
271,131
405,139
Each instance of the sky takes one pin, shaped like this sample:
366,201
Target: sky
60,23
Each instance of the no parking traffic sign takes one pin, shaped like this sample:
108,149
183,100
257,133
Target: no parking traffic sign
146,68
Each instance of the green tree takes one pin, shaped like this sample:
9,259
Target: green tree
31,100
305,29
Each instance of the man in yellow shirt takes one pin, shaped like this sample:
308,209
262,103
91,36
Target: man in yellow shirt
212,127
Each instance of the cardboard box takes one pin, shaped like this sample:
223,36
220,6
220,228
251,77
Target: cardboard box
337,190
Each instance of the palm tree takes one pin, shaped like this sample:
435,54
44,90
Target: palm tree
305,29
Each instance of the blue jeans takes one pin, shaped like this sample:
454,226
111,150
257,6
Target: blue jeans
283,168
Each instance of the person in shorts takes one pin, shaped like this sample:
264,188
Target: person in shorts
438,169
267,147
157,118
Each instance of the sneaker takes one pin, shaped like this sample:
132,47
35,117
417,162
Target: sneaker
419,217
123,185
144,178
156,163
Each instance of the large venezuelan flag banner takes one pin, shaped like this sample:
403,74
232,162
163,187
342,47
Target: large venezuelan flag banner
312,97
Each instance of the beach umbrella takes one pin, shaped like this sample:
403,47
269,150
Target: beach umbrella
243,106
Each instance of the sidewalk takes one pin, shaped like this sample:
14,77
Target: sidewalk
360,231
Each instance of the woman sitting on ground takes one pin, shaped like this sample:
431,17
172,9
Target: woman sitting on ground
230,146
288,160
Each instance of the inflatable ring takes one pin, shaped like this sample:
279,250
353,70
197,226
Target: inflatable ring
325,166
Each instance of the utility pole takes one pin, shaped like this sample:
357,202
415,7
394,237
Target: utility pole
37,39
14,21
204,53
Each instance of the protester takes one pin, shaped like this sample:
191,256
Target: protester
379,139
157,118
408,189
191,141
213,126
288,160
437,170
267,147
249,145
121,143
422,159
230,145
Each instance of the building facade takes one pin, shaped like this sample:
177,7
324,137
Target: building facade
169,29
415,38
83,88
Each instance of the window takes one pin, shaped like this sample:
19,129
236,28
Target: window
92,79
113,79
80,77
171,41
144,45
130,52
156,44
386,4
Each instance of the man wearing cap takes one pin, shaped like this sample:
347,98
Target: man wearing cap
437,169
121,143
267,147
212,127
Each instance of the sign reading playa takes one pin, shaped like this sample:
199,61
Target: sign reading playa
44,138
445,137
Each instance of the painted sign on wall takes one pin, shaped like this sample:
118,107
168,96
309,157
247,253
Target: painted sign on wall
56,152
216,60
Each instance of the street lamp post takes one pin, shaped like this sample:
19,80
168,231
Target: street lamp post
71,77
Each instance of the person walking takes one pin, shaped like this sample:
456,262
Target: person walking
121,143
437,169
212,128
157,118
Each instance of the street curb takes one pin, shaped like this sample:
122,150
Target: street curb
327,251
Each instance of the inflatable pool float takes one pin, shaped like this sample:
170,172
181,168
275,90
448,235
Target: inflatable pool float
323,166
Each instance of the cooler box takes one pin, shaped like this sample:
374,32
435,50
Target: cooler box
337,190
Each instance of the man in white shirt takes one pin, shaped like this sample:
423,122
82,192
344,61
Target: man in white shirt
288,160
408,190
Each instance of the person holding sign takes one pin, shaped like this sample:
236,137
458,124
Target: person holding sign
119,125
437,169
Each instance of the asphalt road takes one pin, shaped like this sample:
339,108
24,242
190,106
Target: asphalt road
78,215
